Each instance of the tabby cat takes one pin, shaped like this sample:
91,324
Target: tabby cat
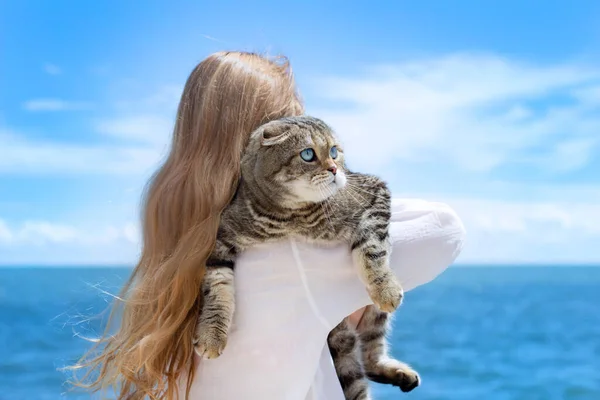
295,183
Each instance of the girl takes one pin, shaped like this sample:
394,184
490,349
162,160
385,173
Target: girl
288,295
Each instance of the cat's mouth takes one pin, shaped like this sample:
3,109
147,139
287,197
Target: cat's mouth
319,188
334,182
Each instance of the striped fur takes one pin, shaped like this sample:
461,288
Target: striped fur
378,365
283,195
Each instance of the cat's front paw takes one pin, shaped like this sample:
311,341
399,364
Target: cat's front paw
387,296
209,342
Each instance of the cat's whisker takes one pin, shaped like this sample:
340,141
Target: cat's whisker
334,202
353,193
367,192
362,204
327,212
349,185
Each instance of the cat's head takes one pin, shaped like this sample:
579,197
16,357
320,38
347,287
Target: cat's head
296,160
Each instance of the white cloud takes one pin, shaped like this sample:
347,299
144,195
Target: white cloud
150,129
568,155
22,156
516,217
541,232
55,105
38,233
167,96
441,127
131,233
475,112
52,69
525,223
163,100
140,134
5,233
589,95
148,119
445,126
44,242
548,232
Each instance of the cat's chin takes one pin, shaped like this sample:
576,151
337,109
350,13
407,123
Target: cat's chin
340,180
305,192
319,196
315,195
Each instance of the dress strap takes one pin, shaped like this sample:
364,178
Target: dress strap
309,296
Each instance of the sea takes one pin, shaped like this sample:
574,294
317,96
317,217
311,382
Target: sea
474,333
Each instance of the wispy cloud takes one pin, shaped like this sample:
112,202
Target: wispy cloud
466,117
147,129
439,128
55,105
43,232
52,69
19,155
5,233
477,112
39,242
551,231
140,130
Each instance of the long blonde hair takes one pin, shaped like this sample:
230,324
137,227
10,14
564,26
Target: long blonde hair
226,97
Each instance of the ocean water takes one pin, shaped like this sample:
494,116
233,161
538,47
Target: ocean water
489,333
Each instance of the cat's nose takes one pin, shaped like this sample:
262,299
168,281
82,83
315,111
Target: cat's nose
332,169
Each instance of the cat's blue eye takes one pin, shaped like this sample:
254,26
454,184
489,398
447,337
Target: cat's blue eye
333,152
308,155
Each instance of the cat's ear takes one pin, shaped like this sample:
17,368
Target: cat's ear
275,133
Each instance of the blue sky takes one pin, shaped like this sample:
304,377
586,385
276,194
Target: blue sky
491,107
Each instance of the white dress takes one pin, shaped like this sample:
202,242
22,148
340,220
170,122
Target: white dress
291,294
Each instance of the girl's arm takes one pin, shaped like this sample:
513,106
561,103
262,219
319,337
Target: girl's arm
426,239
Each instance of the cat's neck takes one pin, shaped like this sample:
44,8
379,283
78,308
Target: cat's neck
276,201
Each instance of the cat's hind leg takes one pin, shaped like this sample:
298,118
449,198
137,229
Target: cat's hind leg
378,365
344,349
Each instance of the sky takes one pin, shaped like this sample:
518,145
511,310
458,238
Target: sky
491,107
